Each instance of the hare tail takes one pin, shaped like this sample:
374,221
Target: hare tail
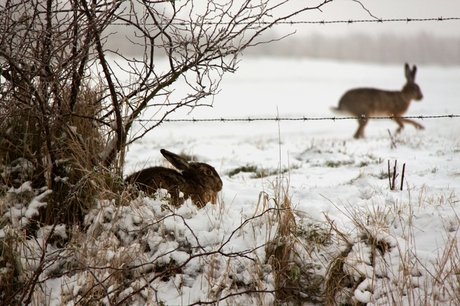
337,110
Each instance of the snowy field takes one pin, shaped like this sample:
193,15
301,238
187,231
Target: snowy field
303,206
332,176
327,164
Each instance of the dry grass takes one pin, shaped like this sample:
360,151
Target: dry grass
11,276
60,153
55,160
374,264
129,247
111,263
289,252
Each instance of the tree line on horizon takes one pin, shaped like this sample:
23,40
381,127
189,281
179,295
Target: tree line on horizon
423,48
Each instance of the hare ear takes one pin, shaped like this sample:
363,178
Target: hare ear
410,74
407,72
414,71
177,161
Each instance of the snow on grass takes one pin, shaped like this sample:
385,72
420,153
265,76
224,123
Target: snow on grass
354,239
334,177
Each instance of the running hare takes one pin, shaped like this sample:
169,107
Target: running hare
198,181
365,102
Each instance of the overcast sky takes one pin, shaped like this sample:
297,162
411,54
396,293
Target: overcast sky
385,9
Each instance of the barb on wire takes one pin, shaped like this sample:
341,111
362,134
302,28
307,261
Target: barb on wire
249,119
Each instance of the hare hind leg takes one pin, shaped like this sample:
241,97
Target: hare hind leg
360,132
401,121
417,125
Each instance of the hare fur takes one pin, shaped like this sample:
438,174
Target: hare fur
198,181
367,102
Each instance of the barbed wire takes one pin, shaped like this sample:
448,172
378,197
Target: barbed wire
348,21
376,20
249,119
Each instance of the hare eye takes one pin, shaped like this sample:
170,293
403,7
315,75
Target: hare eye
208,172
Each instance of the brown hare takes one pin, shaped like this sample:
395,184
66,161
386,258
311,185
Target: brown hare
198,181
366,102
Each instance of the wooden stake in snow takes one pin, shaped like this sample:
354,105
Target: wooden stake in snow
392,177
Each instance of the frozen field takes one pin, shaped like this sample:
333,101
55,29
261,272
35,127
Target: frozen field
296,88
306,215
330,176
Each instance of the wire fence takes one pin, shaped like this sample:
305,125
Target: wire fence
304,118
375,20
343,21
277,119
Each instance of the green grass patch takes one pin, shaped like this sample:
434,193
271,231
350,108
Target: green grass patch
258,172
338,163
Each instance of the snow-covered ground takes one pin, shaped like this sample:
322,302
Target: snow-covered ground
331,174
327,164
391,247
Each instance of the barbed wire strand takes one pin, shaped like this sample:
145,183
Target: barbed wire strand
249,119
348,21
378,20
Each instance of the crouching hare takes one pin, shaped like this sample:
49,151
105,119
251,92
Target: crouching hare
198,181
366,102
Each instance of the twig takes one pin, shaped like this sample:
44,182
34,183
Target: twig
402,176
393,144
392,178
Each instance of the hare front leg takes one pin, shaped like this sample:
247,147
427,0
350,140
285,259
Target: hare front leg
176,199
400,122
360,132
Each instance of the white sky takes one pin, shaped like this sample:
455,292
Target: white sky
385,9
